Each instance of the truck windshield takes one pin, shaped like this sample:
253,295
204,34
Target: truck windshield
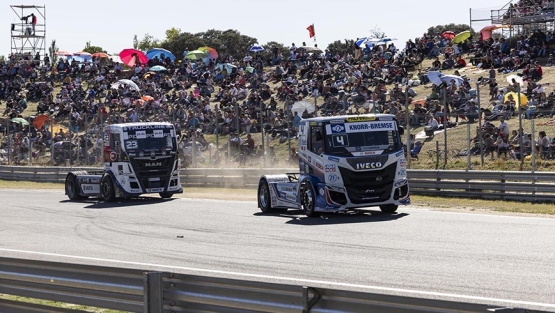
149,140
350,139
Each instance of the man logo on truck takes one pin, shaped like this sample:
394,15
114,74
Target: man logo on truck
371,165
153,164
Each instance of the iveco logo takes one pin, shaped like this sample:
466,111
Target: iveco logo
379,178
362,166
153,164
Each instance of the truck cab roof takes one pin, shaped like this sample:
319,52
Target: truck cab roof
352,118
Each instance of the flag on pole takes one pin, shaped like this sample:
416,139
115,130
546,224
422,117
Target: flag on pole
311,31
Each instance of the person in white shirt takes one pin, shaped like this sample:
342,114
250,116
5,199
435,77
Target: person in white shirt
503,126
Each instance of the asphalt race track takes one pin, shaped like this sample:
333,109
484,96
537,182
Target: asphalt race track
496,259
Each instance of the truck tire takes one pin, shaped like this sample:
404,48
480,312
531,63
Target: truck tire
264,199
107,189
308,199
166,195
389,208
72,188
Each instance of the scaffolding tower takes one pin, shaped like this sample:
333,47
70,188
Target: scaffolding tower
29,38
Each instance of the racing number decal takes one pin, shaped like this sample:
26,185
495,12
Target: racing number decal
113,156
340,140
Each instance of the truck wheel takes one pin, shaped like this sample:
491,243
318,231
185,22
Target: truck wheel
166,195
72,188
107,190
308,199
264,200
389,208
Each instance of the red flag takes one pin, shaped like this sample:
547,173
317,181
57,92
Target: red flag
311,31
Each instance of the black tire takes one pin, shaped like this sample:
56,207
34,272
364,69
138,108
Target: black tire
264,200
308,199
166,195
389,208
72,188
107,189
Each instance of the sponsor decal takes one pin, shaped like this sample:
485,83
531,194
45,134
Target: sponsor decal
336,121
360,118
322,191
290,197
358,148
370,126
398,154
90,188
285,189
319,166
370,152
400,183
313,123
309,159
141,127
368,165
155,190
113,156
403,162
402,172
330,168
330,208
301,128
339,128
334,159
333,178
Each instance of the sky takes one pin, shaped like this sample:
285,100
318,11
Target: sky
112,24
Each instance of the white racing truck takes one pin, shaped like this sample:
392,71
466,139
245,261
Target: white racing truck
139,158
346,163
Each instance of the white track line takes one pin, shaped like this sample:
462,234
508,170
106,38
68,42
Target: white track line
294,280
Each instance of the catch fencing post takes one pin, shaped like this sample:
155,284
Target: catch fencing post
468,167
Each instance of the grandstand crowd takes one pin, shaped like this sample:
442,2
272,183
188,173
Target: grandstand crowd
234,98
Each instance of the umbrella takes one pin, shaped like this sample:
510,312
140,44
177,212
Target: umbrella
125,82
517,78
100,55
147,98
365,41
438,78
256,48
448,34
462,36
310,49
64,53
302,105
386,39
158,52
21,121
228,67
210,51
130,57
196,55
247,58
82,54
40,120
514,97
158,68
361,41
249,69
485,33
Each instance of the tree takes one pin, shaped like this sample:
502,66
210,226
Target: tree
92,49
456,28
52,50
135,42
281,47
172,33
377,32
342,47
148,42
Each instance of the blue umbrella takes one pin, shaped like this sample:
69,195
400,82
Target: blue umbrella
157,52
256,48
387,39
158,68
365,41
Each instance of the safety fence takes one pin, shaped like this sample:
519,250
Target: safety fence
136,290
492,185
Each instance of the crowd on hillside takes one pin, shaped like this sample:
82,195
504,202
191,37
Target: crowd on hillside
238,97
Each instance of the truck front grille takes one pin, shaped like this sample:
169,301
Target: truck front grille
370,186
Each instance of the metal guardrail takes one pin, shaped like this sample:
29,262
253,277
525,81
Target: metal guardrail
135,290
491,185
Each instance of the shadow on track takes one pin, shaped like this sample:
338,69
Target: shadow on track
297,217
97,204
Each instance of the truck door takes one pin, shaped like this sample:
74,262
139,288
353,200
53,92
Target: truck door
316,141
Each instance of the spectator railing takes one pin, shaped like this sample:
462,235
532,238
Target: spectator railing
493,185
135,290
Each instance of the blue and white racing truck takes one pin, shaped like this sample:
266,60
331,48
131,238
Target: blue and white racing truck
345,163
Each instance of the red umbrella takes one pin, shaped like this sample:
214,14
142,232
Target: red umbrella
62,52
448,34
100,55
131,57
82,53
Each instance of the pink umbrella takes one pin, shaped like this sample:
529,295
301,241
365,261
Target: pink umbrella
61,52
448,34
130,57
485,33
